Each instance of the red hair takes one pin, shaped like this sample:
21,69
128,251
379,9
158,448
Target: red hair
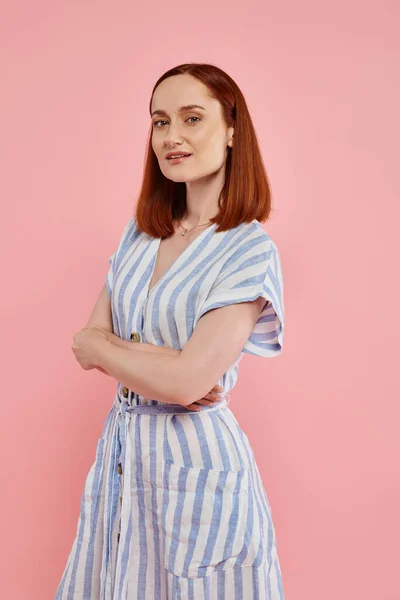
246,192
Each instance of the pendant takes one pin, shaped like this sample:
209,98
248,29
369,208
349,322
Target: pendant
185,232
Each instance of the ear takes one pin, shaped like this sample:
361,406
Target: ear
231,134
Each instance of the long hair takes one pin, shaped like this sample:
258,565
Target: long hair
246,192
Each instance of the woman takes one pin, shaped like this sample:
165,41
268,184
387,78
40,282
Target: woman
174,506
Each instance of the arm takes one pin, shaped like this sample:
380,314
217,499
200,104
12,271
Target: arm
150,373
216,343
141,347
211,397
102,317
101,314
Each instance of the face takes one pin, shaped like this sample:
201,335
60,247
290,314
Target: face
201,132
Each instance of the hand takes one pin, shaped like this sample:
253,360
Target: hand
107,335
210,398
84,344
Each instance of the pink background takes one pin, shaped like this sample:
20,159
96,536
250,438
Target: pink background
322,85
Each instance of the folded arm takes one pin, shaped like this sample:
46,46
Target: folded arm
102,317
142,346
183,376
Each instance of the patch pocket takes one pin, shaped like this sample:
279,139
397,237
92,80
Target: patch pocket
210,521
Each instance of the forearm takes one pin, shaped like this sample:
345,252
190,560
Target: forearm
150,373
141,346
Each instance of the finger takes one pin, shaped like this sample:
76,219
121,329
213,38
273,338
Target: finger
212,397
217,388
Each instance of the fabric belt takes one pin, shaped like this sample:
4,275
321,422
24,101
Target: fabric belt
123,407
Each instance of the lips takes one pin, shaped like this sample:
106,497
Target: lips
171,154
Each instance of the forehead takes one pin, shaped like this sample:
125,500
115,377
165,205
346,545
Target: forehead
181,90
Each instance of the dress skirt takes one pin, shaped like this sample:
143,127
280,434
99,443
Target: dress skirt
173,507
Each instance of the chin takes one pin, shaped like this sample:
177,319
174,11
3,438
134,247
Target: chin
177,179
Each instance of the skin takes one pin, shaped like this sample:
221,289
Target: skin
86,341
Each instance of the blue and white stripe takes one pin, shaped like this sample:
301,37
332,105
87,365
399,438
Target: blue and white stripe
194,521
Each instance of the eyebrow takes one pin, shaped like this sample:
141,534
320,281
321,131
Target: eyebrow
182,109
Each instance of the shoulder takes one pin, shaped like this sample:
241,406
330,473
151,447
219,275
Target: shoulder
130,231
131,227
129,234
249,240
257,234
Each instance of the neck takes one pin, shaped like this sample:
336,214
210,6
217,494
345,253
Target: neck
202,199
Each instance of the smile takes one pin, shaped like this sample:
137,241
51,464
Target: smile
176,161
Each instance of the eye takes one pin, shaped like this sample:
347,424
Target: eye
155,123
193,118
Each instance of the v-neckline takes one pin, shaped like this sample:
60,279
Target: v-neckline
157,243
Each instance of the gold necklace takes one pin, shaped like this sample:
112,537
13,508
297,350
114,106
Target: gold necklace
188,230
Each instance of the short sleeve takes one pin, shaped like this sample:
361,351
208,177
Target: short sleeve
252,271
110,274
115,259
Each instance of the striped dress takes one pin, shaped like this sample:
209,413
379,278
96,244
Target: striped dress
173,506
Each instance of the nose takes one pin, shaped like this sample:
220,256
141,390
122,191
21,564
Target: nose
173,136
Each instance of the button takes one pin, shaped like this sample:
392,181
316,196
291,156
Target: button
120,499
125,392
135,336
120,469
118,536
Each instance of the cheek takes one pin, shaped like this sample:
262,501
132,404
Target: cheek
213,154
212,146
155,144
